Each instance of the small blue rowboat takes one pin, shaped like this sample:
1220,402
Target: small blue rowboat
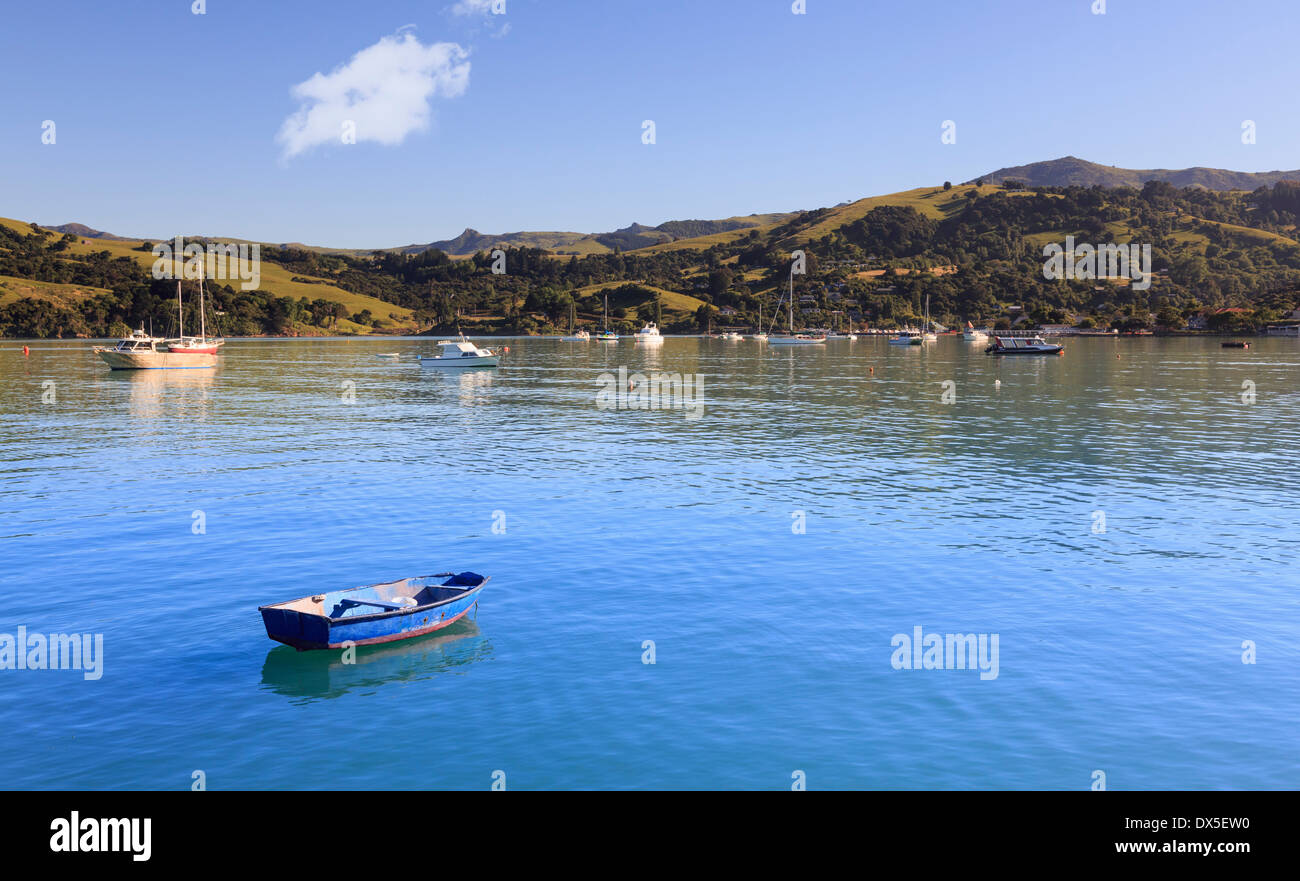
374,613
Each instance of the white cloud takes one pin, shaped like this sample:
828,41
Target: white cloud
473,7
385,90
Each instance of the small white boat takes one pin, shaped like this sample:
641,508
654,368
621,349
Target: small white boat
581,336
973,335
732,335
460,353
759,337
798,339
649,334
906,338
388,355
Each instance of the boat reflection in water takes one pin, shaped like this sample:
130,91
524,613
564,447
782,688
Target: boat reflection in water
472,384
323,674
152,393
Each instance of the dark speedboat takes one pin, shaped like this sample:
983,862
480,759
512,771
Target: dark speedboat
1033,345
374,613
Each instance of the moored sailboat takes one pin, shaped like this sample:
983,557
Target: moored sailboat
606,335
142,351
201,344
794,339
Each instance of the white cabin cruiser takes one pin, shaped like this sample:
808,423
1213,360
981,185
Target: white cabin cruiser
973,335
649,334
460,353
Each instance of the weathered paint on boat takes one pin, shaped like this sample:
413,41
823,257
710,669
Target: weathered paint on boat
403,609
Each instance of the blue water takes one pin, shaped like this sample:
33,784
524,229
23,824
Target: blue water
1119,651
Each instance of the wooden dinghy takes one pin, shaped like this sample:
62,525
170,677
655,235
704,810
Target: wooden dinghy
374,613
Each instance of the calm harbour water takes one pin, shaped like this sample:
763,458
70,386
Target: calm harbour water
1119,651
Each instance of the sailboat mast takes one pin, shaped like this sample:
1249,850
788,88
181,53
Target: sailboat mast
203,327
790,305
180,311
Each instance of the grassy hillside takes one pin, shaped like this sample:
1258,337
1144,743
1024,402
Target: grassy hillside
275,280
678,304
12,289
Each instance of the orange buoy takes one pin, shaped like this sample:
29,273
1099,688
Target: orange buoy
25,351
507,350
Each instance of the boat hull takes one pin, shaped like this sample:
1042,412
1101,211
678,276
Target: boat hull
307,632
477,361
792,341
157,360
1052,350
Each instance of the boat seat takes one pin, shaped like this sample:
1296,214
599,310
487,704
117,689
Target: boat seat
344,605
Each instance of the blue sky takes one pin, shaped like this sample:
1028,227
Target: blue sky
167,122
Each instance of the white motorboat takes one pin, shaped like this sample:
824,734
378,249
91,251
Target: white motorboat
581,336
649,334
732,335
460,353
973,335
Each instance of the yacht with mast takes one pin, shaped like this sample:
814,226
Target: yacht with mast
760,337
606,335
201,344
142,351
794,339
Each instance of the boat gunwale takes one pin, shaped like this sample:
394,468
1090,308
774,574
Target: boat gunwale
387,613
